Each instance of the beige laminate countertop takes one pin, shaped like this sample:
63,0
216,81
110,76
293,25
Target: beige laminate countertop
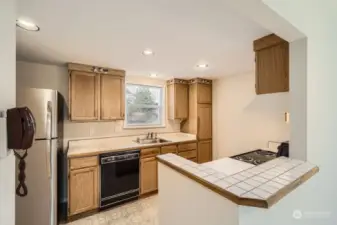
80,148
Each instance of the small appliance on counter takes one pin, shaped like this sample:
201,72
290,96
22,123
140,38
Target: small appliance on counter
260,156
119,177
283,149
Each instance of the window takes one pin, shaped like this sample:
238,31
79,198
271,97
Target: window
144,106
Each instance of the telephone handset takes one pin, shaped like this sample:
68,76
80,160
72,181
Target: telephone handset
21,128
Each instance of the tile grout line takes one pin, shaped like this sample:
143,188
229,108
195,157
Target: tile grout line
246,178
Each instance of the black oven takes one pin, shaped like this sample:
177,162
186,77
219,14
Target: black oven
119,177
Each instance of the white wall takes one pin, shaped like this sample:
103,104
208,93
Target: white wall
182,201
298,98
244,121
7,100
56,77
318,21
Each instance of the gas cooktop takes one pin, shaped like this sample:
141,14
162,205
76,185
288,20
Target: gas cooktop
256,157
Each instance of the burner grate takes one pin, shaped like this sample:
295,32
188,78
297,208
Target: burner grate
256,157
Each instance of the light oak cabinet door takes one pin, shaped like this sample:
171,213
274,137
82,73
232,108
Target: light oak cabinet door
181,103
83,190
204,151
177,94
204,93
148,175
170,102
204,121
272,65
112,97
83,96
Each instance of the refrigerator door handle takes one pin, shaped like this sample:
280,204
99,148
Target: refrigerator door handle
49,120
49,136
48,159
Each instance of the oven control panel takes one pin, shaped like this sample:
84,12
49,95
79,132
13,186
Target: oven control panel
118,157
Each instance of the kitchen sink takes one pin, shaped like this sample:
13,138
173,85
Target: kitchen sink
150,141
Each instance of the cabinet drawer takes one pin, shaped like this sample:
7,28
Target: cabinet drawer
148,152
187,147
169,149
78,163
189,154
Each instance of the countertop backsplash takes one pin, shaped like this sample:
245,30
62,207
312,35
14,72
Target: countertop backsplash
93,130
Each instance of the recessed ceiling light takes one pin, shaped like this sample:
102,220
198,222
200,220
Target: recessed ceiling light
148,52
202,65
27,25
153,75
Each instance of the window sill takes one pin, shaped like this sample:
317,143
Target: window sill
126,127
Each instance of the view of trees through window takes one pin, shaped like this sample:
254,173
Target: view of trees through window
143,105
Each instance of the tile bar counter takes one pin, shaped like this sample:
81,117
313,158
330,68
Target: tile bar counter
204,190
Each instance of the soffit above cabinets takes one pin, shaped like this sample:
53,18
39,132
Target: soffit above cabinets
115,33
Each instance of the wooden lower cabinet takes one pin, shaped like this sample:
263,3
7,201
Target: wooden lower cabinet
148,175
83,190
204,151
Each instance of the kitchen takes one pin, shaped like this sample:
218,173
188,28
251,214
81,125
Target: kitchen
86,153
85,130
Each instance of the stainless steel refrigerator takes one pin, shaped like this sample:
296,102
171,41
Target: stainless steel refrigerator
39,207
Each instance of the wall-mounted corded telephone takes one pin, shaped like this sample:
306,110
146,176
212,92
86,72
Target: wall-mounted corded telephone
20,128
20,136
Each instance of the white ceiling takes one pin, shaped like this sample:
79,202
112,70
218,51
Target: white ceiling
114,33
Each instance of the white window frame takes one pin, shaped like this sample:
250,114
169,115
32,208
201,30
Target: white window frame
163,114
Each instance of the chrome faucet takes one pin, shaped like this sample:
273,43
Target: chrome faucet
151,135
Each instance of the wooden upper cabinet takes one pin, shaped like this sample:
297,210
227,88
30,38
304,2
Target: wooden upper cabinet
148,175
95,93
204,151
272,65
204,121
83,190
204,93
83,102
203,90
112,97
177,96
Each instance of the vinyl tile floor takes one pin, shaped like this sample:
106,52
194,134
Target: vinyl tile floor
140,212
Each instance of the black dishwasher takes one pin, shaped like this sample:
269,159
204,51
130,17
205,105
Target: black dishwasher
119,177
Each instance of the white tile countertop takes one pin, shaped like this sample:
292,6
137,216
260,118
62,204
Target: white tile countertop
228,166
259,186
103,145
